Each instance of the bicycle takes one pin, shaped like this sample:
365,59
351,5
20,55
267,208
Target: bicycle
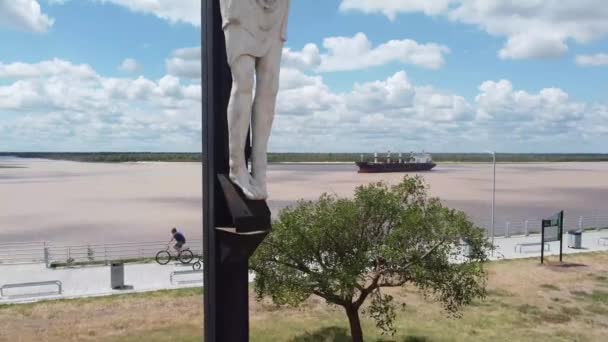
185,256
198,264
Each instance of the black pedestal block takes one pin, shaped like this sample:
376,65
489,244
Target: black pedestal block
236,247
247,215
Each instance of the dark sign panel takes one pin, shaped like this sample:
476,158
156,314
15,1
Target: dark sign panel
552,227
552,230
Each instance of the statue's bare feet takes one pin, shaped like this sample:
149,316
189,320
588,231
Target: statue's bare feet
244,181
260,188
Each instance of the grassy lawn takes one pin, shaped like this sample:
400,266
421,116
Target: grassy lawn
526,302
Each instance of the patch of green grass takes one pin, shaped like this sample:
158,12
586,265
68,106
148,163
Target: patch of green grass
182,333
550,316
577,293
571,311
529,309
416,339
499,293
24,311
602,281
550,287
335,334
554,317
597,296
598,309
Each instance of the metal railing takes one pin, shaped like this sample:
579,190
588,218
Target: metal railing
187,272
106,253
51,253
32,284
22,252
510,227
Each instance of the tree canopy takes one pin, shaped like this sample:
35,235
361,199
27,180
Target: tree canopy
346,250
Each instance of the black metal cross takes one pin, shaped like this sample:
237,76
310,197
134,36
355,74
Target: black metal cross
229,218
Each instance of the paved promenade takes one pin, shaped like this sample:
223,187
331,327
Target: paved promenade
515,248
95,280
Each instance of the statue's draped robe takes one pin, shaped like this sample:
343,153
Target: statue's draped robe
251,30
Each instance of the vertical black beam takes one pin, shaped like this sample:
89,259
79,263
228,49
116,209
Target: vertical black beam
226,283
542,242
222,85
216,85
561,234
232,294
208,109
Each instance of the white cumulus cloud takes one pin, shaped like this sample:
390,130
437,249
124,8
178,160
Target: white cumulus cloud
129,65
600,59
390,113
308,58
352,53
503,110
54,67
396,114
25,15
67,105
391,8
57,104
185,11
357,52
532,28
185,63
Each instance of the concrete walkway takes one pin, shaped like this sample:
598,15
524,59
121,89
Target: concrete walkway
511,248
95,280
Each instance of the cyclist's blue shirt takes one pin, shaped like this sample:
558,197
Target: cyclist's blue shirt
179,237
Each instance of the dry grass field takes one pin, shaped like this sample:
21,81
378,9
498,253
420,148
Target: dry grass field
526,302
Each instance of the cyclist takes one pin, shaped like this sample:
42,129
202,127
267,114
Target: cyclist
180,240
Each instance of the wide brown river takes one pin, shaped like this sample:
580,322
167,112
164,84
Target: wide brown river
75,202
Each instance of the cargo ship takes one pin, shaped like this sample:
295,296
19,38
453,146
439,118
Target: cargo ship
413,163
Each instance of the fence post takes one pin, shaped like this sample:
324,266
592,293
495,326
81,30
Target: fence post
105,254
46,255
526,231
90,253
580,223
507,229
597,221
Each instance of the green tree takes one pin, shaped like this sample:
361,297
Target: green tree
346,250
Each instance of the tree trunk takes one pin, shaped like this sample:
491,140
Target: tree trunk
355,324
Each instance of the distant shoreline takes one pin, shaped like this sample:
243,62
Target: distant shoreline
312,158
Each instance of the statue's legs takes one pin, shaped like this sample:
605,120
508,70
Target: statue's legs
239,109
267,86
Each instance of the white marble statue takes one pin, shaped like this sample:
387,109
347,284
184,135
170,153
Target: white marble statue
255,31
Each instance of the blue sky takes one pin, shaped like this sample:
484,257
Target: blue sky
357,75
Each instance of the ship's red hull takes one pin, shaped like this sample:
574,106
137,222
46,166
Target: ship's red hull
367,167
